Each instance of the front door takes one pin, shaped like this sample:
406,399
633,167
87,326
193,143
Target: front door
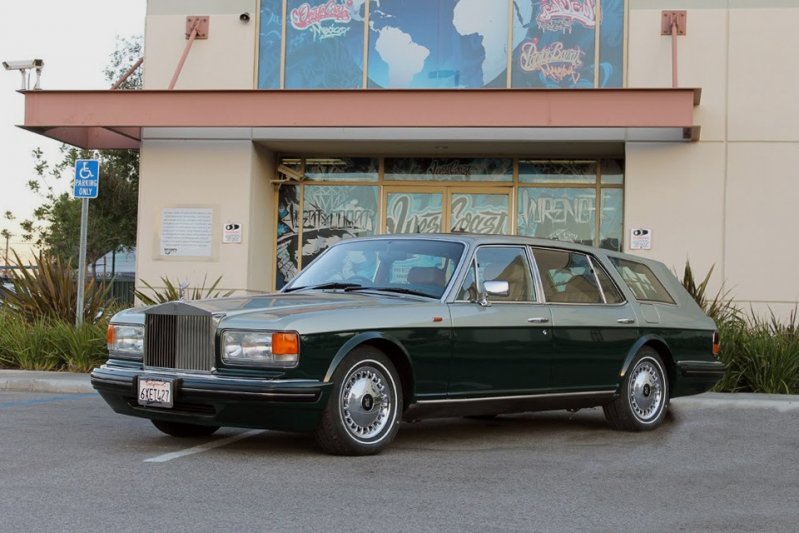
446,209
504,346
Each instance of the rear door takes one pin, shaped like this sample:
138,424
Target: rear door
593,326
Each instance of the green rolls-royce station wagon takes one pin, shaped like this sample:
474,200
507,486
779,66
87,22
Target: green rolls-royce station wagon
383,329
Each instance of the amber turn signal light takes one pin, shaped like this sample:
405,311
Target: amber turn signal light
110,334
716,344
285,344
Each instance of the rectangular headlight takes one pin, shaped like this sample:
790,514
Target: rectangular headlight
276,349
125,341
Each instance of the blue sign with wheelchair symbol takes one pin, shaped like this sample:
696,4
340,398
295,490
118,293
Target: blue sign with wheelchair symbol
87,178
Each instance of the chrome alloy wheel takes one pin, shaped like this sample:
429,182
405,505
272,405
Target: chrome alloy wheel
646,391
366,401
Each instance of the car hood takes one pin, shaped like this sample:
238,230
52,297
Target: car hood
253,311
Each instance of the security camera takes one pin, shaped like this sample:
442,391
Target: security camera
244,17
23,65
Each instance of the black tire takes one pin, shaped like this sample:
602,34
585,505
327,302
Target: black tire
644,397
177,429
363,412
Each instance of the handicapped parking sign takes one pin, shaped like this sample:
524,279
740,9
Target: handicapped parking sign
87,178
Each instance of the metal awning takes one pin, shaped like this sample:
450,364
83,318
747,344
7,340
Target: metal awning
117,119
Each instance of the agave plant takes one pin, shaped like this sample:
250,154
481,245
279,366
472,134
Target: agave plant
720,308
48,289
172,291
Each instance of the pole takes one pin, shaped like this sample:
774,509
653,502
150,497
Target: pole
84,227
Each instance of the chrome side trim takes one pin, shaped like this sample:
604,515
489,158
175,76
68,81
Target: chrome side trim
607,392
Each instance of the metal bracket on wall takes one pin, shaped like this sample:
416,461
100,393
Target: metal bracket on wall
668,18
201,23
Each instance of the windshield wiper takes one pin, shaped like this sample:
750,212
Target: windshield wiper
400,290
330,285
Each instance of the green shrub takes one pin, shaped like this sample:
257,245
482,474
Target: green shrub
49,344
48,290
172,292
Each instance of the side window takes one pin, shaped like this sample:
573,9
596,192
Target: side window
568,277
642,281
501,263
612,293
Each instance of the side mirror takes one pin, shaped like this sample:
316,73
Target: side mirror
493,288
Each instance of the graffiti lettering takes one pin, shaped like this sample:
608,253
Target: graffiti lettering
361,219
559,210
468,219
554,60
400,219
306,16
454,167
560,15
326,32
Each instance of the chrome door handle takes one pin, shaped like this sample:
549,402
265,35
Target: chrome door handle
626,321
538,320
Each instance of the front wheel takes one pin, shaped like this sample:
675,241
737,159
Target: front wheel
644,394
177,429
365,406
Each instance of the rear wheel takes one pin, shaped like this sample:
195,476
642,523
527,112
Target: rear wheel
177,429
365,406
644,394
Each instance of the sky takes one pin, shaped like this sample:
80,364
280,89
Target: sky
75,38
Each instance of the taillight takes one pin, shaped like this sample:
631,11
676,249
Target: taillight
716,344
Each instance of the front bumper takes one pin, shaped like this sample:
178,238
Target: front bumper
210,399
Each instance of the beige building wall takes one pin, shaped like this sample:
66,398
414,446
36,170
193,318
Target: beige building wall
225,60
230,178
727,200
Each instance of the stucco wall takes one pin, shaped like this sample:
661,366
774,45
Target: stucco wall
226,60
729,199
220,175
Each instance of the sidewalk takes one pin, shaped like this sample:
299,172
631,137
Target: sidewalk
66,382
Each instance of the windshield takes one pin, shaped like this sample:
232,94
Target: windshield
422,267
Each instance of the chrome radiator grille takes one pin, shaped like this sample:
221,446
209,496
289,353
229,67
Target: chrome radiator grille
182,342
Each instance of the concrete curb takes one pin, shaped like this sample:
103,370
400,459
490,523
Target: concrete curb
66,382
35,381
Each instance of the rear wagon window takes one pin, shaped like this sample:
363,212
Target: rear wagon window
642,281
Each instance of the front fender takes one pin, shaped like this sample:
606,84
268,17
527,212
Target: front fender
363,338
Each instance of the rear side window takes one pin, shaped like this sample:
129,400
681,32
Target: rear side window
642,281
568,277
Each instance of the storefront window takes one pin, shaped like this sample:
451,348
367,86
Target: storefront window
335,212
480,213
444,169
409,212
341,169
612,171
287,256
542,171
558,213
270,37
610,226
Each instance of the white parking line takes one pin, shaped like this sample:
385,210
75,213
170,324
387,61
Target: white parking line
203,447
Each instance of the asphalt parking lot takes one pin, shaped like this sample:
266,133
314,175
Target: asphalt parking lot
68,463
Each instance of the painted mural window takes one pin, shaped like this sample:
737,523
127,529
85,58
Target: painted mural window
480,213
442,43
324,44
557,171
341,169
554,43
270,36
287,252
449,169
332,213
558,213
414,212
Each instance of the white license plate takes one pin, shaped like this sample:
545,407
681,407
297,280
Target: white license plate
156,392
